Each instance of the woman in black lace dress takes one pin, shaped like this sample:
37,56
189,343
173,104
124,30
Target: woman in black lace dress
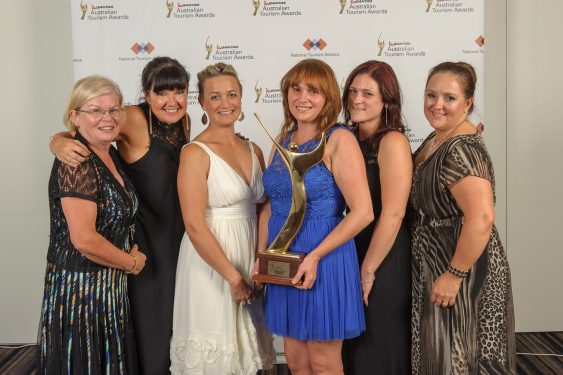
149,145
85,320
372,102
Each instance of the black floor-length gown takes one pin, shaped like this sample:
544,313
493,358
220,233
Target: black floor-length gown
384,348
158,231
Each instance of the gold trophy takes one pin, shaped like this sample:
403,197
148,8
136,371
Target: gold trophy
258,91
84,9
429,2
256,6
381,45
277,265
209,48
342,5
170,6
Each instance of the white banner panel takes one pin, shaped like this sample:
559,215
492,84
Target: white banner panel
263,39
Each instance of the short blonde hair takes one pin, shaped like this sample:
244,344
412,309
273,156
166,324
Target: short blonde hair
86,89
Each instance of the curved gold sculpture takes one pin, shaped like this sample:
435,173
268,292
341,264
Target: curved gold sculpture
298,164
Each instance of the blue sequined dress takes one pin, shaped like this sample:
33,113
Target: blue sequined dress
332,308
86,323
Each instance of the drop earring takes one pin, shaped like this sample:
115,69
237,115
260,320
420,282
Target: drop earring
241,117
204,118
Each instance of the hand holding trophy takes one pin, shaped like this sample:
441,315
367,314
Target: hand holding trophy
277,265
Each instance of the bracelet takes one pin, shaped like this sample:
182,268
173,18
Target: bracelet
134,264
365,282
457,272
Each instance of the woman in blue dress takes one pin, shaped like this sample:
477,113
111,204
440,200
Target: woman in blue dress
314,318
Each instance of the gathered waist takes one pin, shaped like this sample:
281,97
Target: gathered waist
236,211
437,222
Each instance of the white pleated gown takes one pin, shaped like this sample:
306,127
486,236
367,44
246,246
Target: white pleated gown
212,334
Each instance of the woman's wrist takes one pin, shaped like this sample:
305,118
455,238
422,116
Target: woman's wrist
132,268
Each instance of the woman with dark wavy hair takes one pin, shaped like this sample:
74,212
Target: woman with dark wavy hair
372,104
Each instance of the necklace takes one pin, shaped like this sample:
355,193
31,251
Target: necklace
435,144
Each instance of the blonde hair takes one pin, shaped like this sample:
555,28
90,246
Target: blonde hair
219,69
315,74
86,89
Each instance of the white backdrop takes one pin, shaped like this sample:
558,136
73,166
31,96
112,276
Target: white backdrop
263,39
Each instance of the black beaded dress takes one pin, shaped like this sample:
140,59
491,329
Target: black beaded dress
85,319
158,232
476,335
384,347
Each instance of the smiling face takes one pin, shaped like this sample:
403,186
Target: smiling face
168,106
364,100
445,105
99,131
221,100
305,103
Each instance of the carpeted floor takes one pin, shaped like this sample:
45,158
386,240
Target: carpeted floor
537,353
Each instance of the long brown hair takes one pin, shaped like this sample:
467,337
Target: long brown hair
318,75
391,116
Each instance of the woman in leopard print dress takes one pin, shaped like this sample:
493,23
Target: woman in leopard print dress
462,317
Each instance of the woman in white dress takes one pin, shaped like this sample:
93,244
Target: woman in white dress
219,184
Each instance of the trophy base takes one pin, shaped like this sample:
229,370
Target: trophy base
278,268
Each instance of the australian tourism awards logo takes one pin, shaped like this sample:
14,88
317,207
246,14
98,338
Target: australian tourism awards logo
187,10
414,140
380,44
274,9
226,52
357,7
267,95
170,7
399,49
101,12
448,6
480,42
84,9
257,91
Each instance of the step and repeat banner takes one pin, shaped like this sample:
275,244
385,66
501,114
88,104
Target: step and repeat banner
263,39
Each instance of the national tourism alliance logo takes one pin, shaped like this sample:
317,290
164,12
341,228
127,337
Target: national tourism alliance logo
268,8
187,10
225,52
448,6
315,48
100,12
358,7
480,42
142,51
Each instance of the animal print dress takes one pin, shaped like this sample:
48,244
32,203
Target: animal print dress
476,335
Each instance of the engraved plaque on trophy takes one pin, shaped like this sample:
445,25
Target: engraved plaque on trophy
277,265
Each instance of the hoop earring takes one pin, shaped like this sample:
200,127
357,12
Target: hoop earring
204,118
241,117
150,120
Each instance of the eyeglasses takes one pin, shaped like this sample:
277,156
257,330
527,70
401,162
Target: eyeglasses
98,113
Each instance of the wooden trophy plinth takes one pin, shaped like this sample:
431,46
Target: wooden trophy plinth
278,268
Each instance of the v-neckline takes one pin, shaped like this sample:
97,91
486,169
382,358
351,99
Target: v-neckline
125,189
248,184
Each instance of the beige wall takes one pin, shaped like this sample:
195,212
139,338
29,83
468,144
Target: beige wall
523,106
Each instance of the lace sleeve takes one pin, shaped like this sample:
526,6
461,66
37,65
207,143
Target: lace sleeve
79,182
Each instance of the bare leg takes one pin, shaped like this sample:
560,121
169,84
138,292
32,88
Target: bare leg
325,357
296,353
